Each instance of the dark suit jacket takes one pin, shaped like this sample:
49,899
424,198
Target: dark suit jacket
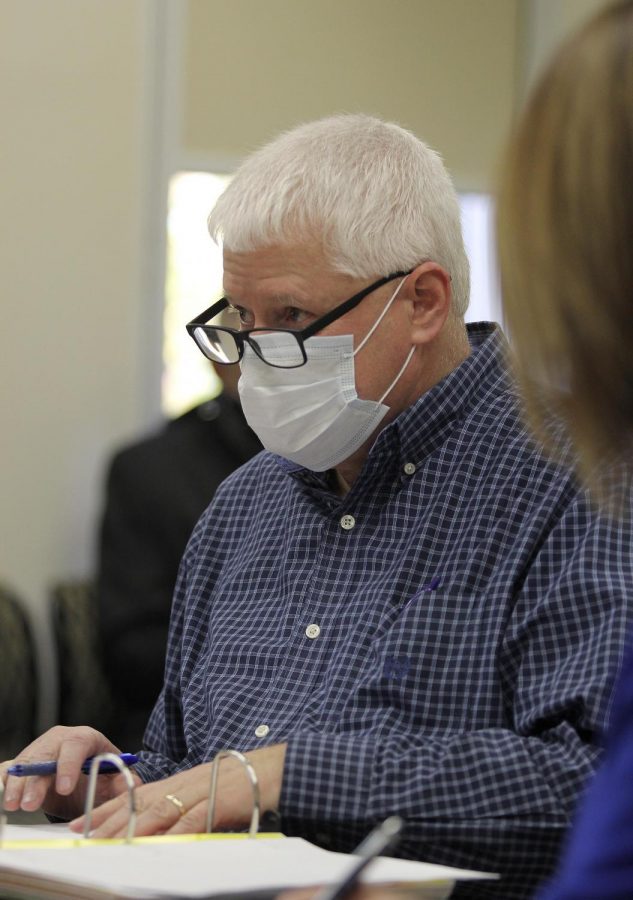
155,492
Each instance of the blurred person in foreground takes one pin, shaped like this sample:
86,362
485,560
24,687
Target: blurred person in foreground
566,249
156,490
403,606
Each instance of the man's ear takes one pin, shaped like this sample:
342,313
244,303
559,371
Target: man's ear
430,293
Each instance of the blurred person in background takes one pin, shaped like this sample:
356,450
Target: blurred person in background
565,232
155,492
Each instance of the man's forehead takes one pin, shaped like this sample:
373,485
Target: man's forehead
293,256
283,274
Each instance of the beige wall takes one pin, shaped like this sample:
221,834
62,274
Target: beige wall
543,25
70,195
444,68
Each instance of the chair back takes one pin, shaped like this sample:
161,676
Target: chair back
18,675
84,695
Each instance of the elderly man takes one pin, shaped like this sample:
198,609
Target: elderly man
401,606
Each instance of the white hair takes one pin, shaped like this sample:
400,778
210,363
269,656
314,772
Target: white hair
378,199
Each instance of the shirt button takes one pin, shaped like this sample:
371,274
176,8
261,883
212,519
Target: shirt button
313,631
347,522
409,468
261,730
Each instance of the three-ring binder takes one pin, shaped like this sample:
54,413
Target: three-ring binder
190,865
125,771
213,781
92,787
252,777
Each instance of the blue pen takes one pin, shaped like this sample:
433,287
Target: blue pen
21,770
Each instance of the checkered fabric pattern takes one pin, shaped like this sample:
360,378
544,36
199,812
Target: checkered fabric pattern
438,643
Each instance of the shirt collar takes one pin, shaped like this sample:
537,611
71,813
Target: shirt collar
424,426
421,428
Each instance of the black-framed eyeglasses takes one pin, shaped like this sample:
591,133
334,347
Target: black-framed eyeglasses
225,345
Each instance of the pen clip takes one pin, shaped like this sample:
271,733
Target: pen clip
92,787
252,777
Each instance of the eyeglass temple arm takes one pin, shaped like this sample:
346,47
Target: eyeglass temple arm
322,322
209,313
345,307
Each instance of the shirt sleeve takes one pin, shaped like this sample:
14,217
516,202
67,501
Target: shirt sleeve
164,746
495,799
597,861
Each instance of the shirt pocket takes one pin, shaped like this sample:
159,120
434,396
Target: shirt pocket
436,657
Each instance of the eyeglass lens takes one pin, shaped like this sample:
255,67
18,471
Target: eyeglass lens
217,345
281,349
221,346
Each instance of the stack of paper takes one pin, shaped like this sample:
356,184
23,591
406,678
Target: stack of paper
49,861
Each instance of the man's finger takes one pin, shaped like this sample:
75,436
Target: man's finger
80,744
166,803
153,818
192,821
18,789
34,791
114,825
72,754
4,765
100,814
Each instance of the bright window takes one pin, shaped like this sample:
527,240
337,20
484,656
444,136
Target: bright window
194,280
478,230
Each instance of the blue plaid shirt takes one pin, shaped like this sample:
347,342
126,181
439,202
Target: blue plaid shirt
439,642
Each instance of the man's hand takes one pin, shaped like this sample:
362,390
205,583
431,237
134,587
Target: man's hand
159,815
62,794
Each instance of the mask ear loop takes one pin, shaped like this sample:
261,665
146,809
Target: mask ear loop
371,331
380,318
395,380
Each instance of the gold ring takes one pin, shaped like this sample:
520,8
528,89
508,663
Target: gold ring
180,806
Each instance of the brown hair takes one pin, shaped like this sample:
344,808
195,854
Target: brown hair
565,236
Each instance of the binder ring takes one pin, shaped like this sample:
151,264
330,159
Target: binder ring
92,786
252,777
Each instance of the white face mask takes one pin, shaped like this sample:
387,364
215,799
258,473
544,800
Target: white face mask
311,415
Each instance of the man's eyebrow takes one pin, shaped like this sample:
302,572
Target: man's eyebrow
278,298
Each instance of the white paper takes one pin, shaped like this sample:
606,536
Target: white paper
45,831
198,869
